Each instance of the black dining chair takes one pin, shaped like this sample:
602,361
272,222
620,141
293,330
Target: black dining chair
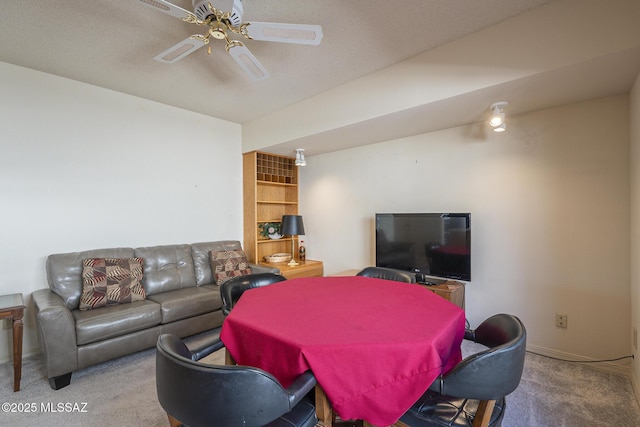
203,395
473,392
232,289
388,274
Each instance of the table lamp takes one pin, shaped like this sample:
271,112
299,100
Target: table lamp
292,226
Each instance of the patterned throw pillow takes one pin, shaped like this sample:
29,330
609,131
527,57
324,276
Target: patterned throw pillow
111,281
228,264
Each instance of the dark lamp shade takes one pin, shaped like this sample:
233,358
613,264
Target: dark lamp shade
292,225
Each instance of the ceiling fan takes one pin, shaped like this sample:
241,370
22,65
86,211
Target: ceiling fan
224,18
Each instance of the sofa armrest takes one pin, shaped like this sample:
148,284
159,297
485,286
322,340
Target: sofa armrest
56,333
255,269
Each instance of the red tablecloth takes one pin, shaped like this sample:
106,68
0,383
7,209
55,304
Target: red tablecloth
374,345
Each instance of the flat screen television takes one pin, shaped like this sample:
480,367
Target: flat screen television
428,244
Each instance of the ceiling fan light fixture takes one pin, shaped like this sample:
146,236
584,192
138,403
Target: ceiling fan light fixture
300,161
218,33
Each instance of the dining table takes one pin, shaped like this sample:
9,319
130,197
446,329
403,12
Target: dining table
374,346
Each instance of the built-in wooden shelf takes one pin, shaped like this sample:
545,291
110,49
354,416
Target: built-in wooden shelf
270,187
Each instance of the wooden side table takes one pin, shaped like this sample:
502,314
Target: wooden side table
12,307
450,290
308,268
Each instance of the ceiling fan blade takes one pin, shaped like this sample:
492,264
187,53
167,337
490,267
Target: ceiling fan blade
285,33
248,62
169,8
179,51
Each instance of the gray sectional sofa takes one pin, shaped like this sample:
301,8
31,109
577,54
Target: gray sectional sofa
181,299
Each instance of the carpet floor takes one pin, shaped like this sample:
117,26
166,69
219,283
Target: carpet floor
121,393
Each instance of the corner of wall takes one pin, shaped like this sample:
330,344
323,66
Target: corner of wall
634,155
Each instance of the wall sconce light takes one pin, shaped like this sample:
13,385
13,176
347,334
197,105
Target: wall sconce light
300,161
497,116
500,128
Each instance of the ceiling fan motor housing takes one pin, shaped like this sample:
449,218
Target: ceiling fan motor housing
201,10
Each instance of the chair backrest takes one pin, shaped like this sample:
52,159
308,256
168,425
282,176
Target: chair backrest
388,274
493,373
232,289
202,395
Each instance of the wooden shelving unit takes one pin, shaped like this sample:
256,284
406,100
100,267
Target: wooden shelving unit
270,186
308,268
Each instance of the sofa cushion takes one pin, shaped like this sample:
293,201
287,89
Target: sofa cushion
201,253
228,264
166,268
116,320
64,272
111,281
188,302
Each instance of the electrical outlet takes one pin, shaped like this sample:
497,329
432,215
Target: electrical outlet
561,320
635,338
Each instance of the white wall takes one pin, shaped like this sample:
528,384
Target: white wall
546,39
82,167
635,224
550,216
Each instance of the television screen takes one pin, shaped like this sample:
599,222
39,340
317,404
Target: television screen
434,244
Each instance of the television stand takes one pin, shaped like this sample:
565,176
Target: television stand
450,290
429,281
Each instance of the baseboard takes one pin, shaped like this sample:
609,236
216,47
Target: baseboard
622,367
26,354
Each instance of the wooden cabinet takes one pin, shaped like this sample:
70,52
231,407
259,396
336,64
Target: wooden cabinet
270,187
451,291
308,268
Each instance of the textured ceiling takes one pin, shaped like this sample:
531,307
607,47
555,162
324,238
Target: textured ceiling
384,70
111,43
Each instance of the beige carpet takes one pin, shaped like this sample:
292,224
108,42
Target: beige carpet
121,393
118,393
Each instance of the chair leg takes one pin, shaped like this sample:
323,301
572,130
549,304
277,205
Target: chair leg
173,422
484,412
